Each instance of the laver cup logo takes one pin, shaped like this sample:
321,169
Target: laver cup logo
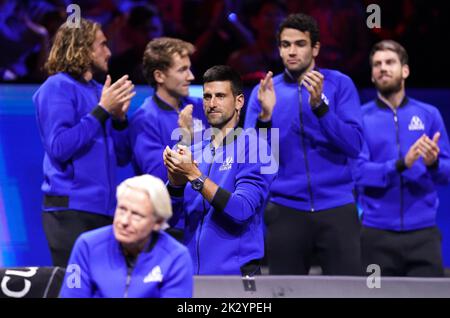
31,282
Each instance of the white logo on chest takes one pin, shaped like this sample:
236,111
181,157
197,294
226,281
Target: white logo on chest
226,165
155,275
416,124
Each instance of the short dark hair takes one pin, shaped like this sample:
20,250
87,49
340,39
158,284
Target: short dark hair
390,45
303,23
158,55
224,73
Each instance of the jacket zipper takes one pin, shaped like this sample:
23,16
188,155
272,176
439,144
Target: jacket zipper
127,284
302,130
128,281
130,269
213,151
397,133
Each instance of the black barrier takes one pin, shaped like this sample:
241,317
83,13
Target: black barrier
31,282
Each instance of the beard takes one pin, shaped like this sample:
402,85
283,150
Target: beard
98,72
221,121
388,89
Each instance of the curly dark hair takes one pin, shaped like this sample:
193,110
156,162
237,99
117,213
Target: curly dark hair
301,22
72,48
158,55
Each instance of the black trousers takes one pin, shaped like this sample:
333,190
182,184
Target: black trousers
411,253
296,238
62,228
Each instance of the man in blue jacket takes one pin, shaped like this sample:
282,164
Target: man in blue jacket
405,157
170,116
170,112
230,173
83,130
311,212
132,258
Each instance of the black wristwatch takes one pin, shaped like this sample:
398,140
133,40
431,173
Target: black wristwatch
197,184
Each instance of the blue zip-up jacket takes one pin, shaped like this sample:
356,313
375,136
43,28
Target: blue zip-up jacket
228,233
314,146
151,129
162,270
393,197
82,146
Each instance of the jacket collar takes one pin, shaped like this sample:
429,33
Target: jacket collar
154,237
163,105
290,78
380,103
236,132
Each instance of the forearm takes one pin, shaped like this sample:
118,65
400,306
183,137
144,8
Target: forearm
347,136
121,141
64,143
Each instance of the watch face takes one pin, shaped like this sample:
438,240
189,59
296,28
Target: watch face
197,185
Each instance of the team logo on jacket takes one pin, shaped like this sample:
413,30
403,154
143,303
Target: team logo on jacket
325,99
155,275
226,165
416,124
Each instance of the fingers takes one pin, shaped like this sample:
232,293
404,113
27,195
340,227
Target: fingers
174,161
126,106
187,110
429,145
313,81
185,152
127,98
436,137
412,155
182,148
185,117
123,90
165,155
266,82
119,82
427,148
171,167
173,157
107,81
126,86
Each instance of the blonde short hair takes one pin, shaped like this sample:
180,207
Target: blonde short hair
156,190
